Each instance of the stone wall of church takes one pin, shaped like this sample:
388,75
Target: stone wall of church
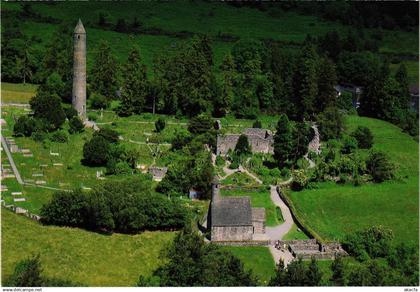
259,227
231,233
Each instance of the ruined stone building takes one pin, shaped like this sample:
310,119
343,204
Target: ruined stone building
260,140
233,219
79,70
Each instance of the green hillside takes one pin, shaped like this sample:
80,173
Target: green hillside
333,210
161,26
88,258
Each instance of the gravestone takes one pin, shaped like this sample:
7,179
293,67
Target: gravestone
19,200
16,193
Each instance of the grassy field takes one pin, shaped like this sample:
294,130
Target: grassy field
294,234
88,258
17,93
334,211
255,258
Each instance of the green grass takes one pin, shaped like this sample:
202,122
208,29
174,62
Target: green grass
412,70
259,199
255,258
334,210
240,179
294,234
17,93
88,258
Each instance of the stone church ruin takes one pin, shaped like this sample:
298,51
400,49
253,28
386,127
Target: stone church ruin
233,218
260,140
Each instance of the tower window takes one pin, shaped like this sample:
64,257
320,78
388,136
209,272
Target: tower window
78,37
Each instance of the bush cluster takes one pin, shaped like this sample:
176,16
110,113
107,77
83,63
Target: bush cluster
127,206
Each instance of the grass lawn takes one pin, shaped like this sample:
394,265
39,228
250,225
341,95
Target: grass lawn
88,258
294,234
255,258
17,93
259,199
334,210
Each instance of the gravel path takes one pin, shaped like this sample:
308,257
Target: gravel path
12,162
277,232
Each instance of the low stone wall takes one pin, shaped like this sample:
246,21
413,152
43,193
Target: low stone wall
22,211
243,243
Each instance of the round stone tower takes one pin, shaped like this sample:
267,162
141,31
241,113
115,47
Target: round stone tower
79,70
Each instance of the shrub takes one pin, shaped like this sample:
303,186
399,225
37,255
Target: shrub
76,125
349,144
372,242
96,151
220,161
92,117
257,124
234,165
70,112
108,134
364,137
160,125
98,101
39,136
126,206
60,137
379,166
24,126
120,167
300,180
27,273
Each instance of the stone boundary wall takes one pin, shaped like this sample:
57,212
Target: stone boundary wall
307,231
245,189
243,243
22,211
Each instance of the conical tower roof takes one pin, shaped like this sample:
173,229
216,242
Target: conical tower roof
79,27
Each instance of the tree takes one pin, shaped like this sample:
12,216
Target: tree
76,125
283,141
98,101
280,278
349,144
186,79
401,76
296,273
242,146
313,274
104,72
58,58
300,141
200,124
96,151
330,123
160,124
379,166
363,136
27,273
134,88
338,272
305,82
191,262
108,134
48,107
327,79
223,102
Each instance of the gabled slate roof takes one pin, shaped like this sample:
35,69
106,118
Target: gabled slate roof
231,211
